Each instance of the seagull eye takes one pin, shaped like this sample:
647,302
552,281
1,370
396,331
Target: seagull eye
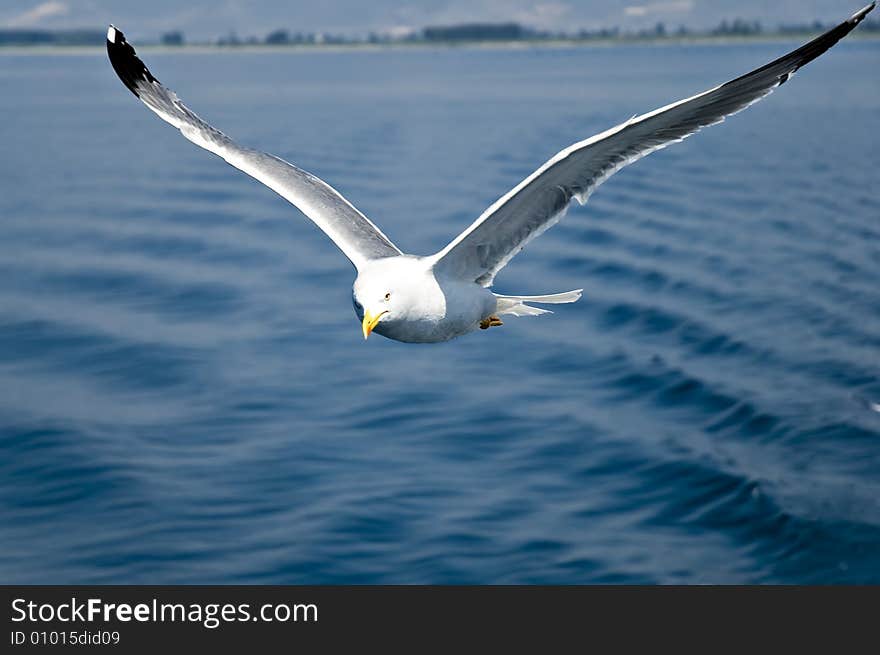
387,296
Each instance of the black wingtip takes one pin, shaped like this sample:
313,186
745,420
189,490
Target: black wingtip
857,17
809,51
130,69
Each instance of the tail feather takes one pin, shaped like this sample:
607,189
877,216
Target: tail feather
516,305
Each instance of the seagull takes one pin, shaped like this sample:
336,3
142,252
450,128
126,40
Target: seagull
429,299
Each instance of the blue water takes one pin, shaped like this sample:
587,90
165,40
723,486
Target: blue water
186,397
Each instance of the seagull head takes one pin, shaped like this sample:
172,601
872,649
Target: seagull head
377,298
388,293
373,308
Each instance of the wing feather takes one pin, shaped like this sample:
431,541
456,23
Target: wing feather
358,238
541,200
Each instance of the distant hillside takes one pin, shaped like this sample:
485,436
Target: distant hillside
47,37
438,34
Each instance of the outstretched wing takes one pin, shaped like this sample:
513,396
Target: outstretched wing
349,229
541,200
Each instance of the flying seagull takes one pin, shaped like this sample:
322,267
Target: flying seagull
447,294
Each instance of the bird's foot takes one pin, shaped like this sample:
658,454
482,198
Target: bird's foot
491,321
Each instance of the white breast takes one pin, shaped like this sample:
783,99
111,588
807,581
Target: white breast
435,309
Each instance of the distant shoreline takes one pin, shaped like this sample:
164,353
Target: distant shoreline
517,44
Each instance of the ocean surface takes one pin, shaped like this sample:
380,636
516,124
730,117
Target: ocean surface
186,396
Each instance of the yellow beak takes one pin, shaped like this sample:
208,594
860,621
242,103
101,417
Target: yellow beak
371,321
